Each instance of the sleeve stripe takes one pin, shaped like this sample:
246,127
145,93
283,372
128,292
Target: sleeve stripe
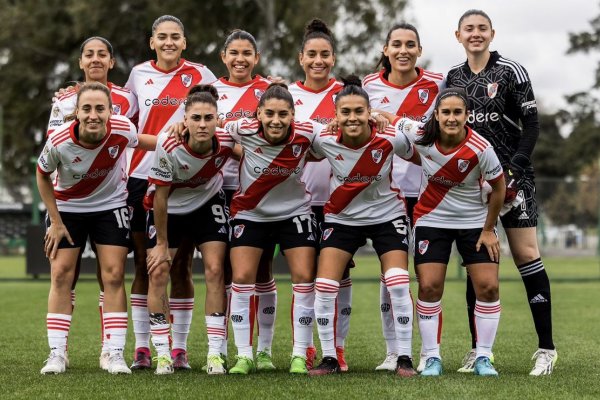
518,70
158,182
42,171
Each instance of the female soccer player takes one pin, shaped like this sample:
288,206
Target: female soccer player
161,87
455,159
272,205
188,202
402,89
314,99
364,203
504,111
96,60
88,199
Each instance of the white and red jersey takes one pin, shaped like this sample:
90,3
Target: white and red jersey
161,99
89,179
451,182
123,100
318,106
415,101
237,101
270,185
362,189
193,179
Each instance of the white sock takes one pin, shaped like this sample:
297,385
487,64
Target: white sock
160,333
215,330
303,301
387,318
396,280
181,320
101,309
266,311
58,326
115,330
487,317
227,315
141,322
430,326
325,299
241,299
344,309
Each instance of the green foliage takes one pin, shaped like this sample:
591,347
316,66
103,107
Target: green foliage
39,47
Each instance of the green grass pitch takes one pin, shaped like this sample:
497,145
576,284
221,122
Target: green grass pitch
576,310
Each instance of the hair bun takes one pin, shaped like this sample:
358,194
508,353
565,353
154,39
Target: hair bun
205,89
351,80
317,25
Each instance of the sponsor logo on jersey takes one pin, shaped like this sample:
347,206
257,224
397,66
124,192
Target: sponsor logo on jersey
326,233
186,80
494,170
238,230
322,120
377,154
358,178
113,151
442,180
529,104
305,320
492,89
223,97
339,157
162,163
76,160
165,101
44,162
296,150
151,232
298,103
423,246
95,174
218,162
116,109
423,95
236,114
258,93
149,82
483,117
385,100
463,165
280,171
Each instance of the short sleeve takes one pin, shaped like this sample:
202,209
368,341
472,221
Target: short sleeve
491,169
49,159
161,172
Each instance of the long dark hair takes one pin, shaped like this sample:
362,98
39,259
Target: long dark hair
431,129
383,60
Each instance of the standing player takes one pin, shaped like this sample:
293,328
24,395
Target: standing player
161,87
314,100
504,111
272,205
96,60
188,201
239,94
88,199
364,204
404,90
455,160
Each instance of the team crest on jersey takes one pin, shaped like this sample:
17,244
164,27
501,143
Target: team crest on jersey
326,233
238,230
113,151
151,232
46,149
423,246
463,165
423,95
186,79
296,150
492,89
162,163
258,93
116,109
377,155
218,162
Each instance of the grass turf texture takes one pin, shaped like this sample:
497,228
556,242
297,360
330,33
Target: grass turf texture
576,333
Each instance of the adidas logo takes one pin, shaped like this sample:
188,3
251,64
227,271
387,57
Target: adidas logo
339,157
223,230
523,215
224,97
76,160
311,237
298,102
258,150
149,82
385,100
538,299
405,242
428,157
184,167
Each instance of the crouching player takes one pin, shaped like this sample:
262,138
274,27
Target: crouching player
188,202
88,198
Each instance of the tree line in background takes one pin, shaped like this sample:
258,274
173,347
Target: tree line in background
39,49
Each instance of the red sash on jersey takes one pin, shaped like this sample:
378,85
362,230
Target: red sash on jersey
413,104
326,107
261,186
365,166
159,115
209,170
435,192
249,100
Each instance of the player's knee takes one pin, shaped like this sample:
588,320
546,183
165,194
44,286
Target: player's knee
113,275
213,272
488,291
525,252
62,274
430,291
159,276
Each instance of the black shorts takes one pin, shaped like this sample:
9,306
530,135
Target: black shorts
109,227
387,236
434,245
205,224
526,214
135,200
298,231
